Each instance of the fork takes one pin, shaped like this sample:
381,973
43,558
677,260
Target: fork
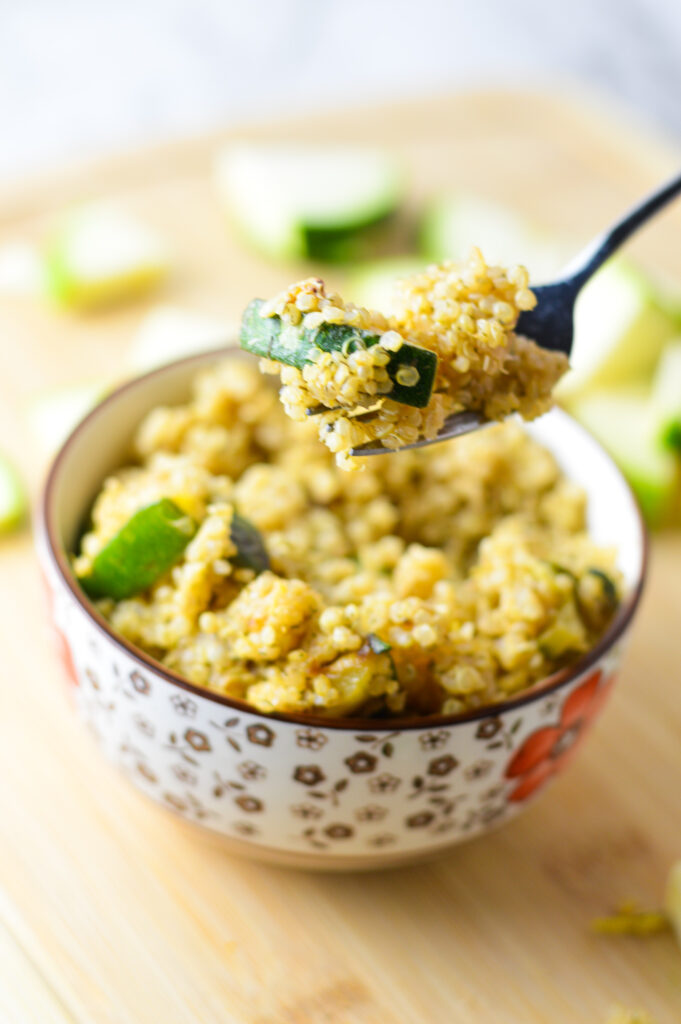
551,323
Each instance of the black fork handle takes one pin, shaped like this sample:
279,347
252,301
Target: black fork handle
587,262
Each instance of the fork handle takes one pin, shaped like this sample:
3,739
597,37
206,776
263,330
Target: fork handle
587,262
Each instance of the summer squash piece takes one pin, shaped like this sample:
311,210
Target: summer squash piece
251,551
666,397
377,645
623,421
313,202
99,254
270,338
145,548
13,501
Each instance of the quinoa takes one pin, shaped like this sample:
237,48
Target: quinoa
436,581
464,313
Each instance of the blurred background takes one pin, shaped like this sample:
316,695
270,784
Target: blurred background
522,128
80,78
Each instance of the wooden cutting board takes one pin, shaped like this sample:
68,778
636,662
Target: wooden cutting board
111,911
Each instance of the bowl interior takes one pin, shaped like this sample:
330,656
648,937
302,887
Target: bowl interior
102,443
614,519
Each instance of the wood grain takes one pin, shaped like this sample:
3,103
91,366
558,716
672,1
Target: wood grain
111,911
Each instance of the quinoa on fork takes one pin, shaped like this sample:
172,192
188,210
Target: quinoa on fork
450,346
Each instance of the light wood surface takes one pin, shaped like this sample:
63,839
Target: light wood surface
111,912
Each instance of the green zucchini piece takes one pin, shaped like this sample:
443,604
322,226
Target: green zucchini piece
99,254
377,645
666,397
13,501
597,597
295,346
319,202
453,224
140,553
607,585
621,329
251,551
623,421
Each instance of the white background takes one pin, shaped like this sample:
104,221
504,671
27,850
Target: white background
84,77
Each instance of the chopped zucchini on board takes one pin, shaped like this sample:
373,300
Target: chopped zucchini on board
373,285
622,325
624,422
169,332
269,337
453,225
667,397
13,501
145,548
307,202
99,255
53,415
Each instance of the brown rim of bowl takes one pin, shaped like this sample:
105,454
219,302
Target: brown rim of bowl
545,686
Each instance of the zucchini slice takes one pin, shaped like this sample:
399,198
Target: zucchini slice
270,338
453,224
309,201
13,501
621,328
251,551
140,553
377,645
99,255
623,421
666,397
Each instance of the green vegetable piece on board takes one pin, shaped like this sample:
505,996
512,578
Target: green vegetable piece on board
666,397
623,420
140,553
13,502
319,202
270,338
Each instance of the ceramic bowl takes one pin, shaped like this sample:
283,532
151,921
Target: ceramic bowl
314,792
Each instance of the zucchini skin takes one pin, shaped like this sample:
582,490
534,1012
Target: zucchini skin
150,543
251,550
145,548
295,346
15,505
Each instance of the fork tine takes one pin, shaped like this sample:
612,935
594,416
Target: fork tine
362,417
454,426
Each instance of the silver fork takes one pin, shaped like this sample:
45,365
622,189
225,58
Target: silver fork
551,323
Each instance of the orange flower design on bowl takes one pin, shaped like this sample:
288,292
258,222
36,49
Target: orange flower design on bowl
548,750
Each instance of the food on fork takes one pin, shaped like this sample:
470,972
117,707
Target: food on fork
449,347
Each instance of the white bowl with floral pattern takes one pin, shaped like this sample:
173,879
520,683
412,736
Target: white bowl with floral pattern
318,792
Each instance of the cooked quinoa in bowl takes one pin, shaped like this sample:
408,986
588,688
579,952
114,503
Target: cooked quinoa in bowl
449,347
434,582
